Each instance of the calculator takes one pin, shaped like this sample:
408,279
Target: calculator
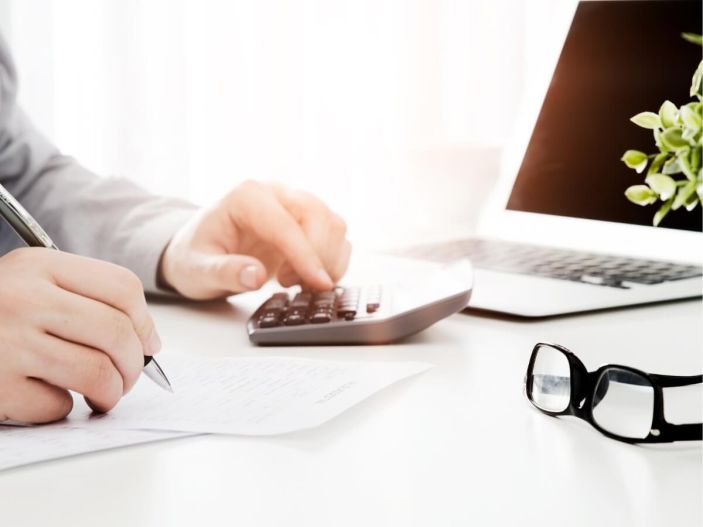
360,314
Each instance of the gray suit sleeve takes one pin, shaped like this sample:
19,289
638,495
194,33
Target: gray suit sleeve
107,218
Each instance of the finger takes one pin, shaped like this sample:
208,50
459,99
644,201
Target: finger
317,231
287,276
313,216
34,401
328,237
110,284
273,224
338,249
98,326
223,274
299,203
79,368
342,264
325,230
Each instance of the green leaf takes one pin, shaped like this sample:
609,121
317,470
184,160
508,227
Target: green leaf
662,212
699,191
657,163
691,116
683,194
696,159
689,135
685,165
668,112
691,202
693,37
635,159
663,185
649,120
658,141
697,81
641,195
673,139
672,166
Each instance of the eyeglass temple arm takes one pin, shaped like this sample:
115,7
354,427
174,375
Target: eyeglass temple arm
687,432
672,381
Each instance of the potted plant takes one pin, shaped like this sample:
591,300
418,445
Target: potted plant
674,175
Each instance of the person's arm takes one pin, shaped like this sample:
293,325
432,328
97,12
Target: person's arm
68,322
107,218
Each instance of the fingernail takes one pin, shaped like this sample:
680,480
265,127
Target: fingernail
153,344
248,277
325,277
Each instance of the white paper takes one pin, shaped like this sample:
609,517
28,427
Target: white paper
22,445
247,396
257,396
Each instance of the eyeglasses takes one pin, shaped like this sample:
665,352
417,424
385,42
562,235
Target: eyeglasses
621,402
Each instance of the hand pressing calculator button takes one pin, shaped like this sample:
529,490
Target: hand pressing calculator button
374,314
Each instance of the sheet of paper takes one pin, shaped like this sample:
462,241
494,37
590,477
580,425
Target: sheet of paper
248,396
22,445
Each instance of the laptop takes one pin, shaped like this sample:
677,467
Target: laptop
558,236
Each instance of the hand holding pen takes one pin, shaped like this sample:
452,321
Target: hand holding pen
67,322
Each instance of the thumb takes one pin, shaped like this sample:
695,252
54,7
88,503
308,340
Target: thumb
233,273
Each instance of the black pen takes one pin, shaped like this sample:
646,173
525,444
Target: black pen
33,235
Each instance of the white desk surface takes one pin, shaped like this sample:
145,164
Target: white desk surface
459,445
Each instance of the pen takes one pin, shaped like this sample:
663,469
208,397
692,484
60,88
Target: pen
33,235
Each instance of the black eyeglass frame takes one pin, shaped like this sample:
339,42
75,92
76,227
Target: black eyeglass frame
583,388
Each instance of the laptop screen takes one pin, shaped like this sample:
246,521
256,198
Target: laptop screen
619,59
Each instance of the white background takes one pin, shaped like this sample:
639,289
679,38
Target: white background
375,105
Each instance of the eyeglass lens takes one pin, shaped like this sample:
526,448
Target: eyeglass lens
623,403
551,380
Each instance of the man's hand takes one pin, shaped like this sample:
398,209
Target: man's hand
68,323
256,232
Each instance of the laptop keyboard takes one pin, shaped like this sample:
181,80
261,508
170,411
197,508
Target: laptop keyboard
562,264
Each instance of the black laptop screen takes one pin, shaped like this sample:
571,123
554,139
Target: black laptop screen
619,59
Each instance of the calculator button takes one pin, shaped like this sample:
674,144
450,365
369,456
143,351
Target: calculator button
276,314
373,299
372,307
275,305
326,295
301,300
294,319
320,317
351,293
269,321
323,303
280,296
